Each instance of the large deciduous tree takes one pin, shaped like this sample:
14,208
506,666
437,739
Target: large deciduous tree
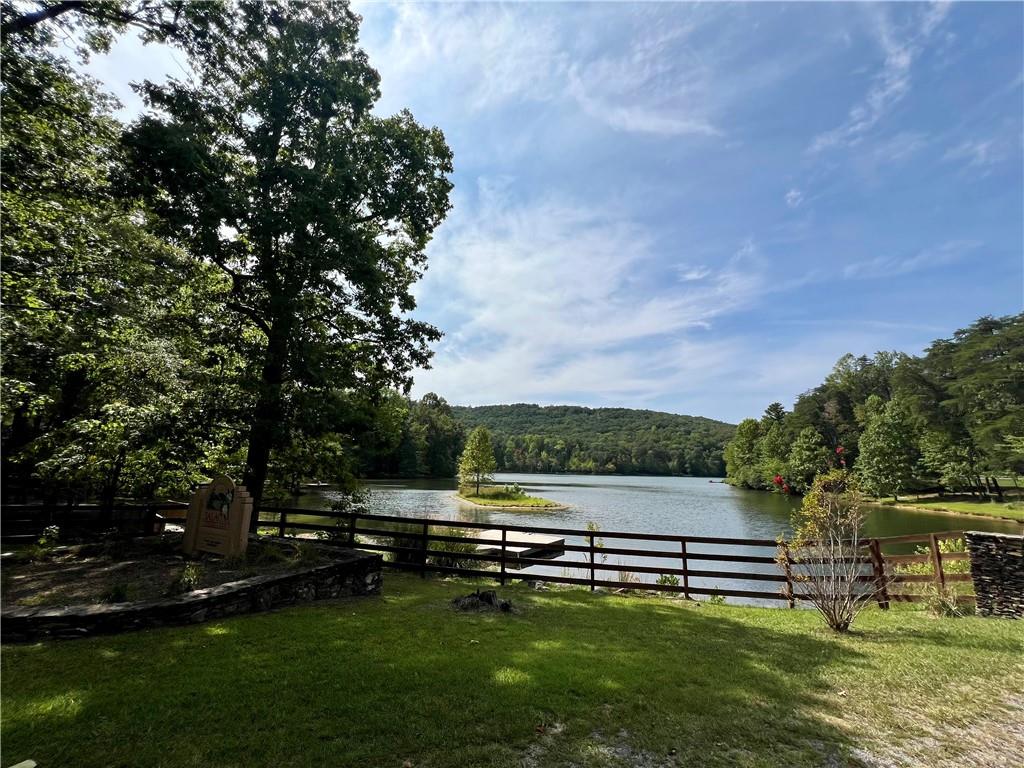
888,447
103,334
270,165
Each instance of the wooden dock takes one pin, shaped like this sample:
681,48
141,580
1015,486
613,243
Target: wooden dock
521,544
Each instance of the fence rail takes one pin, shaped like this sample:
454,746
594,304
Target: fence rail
423,545
686,565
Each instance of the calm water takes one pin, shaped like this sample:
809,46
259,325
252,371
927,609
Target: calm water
672,505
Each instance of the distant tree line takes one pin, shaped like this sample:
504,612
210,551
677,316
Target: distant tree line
951,420
532,438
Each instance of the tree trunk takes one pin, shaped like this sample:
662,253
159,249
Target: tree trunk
997,488
478,485
265,428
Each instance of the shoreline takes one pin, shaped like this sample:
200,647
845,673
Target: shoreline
553,507
913,508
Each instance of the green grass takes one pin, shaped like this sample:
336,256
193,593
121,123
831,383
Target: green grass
571,679
1013,510
498,497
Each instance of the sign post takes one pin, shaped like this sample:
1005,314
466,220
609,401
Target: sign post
218,519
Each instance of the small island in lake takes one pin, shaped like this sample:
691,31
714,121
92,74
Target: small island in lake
505,497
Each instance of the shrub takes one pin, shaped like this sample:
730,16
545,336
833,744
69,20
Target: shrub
188,580
452,551
668,579
828,559
943,601
118,593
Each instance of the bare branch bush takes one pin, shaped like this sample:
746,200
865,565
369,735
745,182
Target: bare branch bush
830,566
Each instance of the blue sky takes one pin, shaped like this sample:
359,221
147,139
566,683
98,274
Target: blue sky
699,208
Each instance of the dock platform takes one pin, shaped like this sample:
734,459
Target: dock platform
521,544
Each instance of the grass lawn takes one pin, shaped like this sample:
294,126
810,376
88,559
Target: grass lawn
498,497
571,679
1013,510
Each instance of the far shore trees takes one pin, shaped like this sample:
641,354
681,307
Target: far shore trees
945,420
888,452
477,462
271,166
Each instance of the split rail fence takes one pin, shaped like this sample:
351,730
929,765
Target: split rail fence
687,565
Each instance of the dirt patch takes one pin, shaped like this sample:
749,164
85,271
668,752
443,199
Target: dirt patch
995,741
140,569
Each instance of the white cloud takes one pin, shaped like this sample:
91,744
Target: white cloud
976,153
794,198
689,273
551,303
927,258
893,81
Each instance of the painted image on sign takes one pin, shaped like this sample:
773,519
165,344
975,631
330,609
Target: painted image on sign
218,504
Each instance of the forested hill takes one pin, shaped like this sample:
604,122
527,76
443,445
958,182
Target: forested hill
566,438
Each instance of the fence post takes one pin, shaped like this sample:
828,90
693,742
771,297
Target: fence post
789,575
940,577
686,568
352,529
878,563
282,524
426,546
592,586
504,538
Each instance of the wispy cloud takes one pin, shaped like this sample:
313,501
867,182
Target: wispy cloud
927,258
688,274
976,153
794,198
553,304
892,83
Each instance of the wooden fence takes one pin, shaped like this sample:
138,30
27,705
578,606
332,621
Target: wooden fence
23,523
687,565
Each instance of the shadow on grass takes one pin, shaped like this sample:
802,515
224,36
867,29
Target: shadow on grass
572,679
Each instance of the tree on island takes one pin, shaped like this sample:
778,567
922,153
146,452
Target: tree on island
477,462
270,165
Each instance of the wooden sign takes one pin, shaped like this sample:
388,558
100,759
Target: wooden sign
218,519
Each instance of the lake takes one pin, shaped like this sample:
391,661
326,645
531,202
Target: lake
672,505
676,505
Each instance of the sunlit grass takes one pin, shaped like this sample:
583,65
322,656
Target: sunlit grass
570,678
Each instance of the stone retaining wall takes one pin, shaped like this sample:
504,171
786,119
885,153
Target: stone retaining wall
997,569
350,572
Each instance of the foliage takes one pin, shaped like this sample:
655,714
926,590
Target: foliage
477,461
532,438
807,458
270,165
945,421
887,447
826,549
452,551
412,438
188,580
944,601
225,286
118,593
667,579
